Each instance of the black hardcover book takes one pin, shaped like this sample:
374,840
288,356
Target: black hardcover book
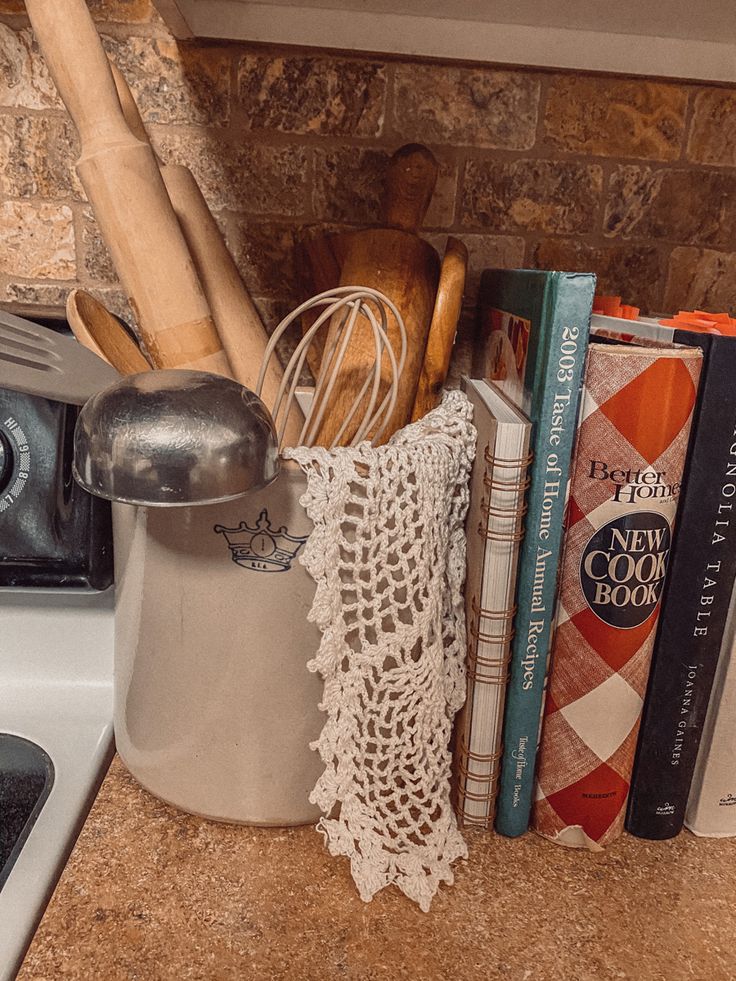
696,595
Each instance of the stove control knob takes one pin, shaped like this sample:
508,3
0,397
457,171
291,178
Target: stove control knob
6,461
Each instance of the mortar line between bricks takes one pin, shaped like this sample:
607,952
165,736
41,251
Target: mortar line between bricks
540,130
233,134
689,116
388,133
310,187
234,107
78,222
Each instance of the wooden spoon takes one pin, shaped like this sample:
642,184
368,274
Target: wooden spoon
443,328
99,331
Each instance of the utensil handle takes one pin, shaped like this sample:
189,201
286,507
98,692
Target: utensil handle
71,48
410,182
127,104
239,325
442,329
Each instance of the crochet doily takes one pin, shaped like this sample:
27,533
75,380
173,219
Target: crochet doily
388,556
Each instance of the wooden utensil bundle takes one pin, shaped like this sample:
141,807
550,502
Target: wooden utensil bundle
189,301
397,262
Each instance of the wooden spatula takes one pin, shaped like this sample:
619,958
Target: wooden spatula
103,334
405,268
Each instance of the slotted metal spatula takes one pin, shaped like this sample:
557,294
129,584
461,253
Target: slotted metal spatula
38,361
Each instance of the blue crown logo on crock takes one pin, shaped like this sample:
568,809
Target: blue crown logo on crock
262,548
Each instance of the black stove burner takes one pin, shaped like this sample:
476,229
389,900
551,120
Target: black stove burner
26,776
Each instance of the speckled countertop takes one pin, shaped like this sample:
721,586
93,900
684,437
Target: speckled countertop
151,894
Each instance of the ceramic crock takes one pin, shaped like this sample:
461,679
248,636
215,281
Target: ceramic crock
214,705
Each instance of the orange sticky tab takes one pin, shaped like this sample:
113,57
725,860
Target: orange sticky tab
702,321
609,306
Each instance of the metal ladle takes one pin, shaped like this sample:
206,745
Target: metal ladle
174,437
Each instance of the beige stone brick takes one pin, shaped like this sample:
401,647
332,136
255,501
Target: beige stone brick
538,195
684,206
478,107
484,252
253,178
634,272
349,186
713,128
37,156
701,279
615,117
264,255
173,83
96,262
36,240
121,11
24,79
322,96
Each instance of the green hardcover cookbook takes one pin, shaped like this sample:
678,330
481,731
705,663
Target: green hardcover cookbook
532,341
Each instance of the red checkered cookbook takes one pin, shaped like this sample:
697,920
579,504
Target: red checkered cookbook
632,440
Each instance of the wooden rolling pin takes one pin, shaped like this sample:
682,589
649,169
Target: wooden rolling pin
238,324
121,178
442,329
397,262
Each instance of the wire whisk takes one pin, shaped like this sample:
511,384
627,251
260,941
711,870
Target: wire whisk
343,307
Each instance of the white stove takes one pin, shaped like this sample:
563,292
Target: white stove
56,657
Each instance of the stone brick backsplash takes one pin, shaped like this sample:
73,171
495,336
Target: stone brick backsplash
672,205
466,107
553,196
175,84
37,235
347,186
37,154
634,179
615,118
640,267
319,96
24,80
713,129
700,278
244,177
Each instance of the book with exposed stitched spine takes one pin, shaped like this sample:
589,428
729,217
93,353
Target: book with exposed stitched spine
495,528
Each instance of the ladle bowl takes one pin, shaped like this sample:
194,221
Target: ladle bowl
174,437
